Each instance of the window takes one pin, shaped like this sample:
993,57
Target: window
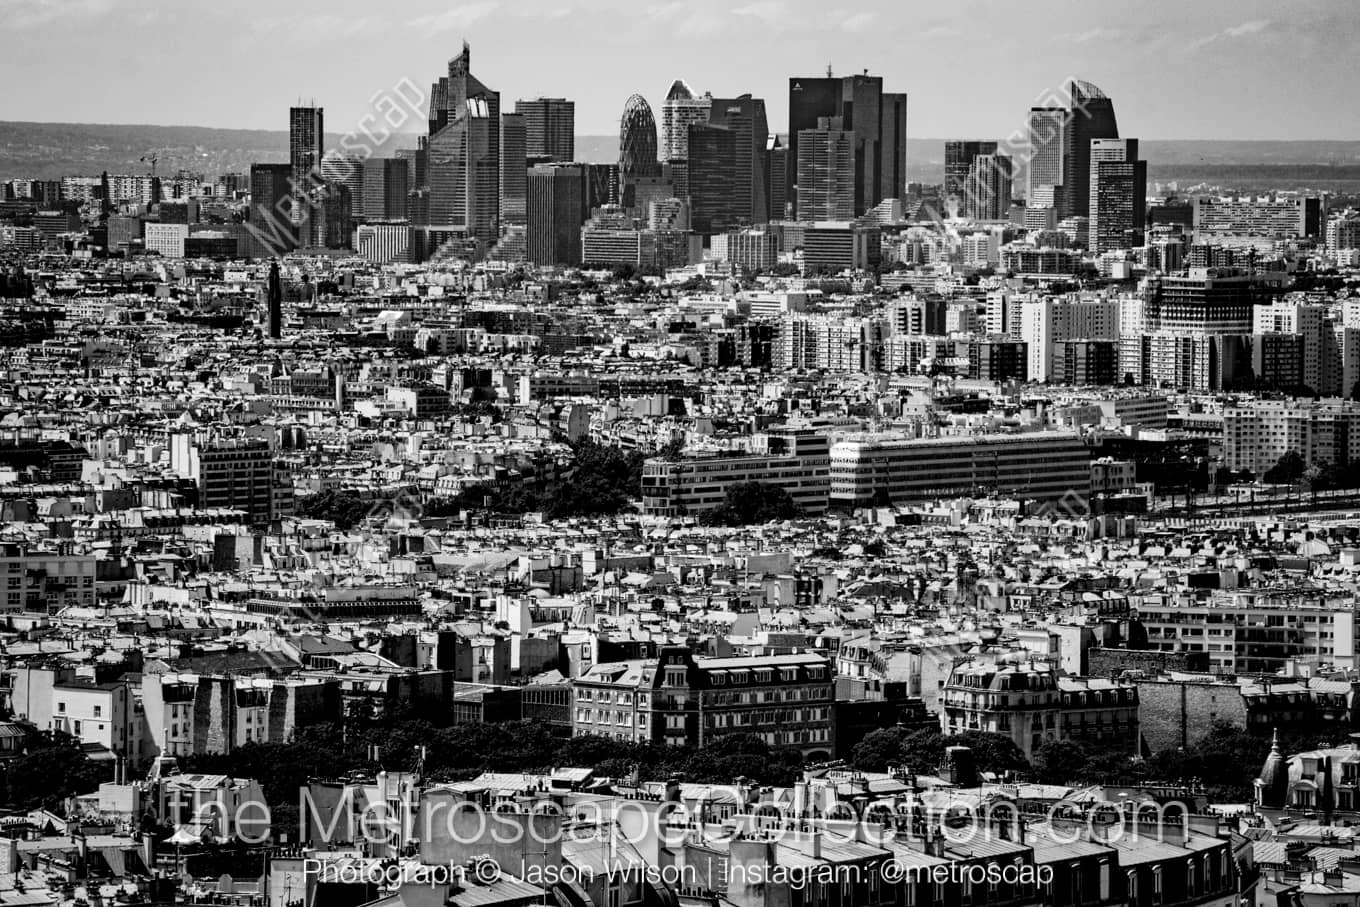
98,710
61,708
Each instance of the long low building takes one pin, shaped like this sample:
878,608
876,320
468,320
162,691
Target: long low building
1050,467
795,460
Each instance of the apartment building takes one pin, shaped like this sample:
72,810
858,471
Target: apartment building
678,699
1033,703
46,579
1253,631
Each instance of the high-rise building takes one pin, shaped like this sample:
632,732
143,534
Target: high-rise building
1118,189
549,127
826,172
878,122
1092,117
555,211
777,177
269,228
745,116
958,161
346,169
637,147
1060,148
463,157
306,140
681,108
513,167
713,175
987,191
386,185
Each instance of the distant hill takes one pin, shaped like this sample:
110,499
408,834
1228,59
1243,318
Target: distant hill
48,150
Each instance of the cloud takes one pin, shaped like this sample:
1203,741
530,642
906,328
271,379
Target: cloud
316,29
17,14
858,22
455,19
1251,27
1091,34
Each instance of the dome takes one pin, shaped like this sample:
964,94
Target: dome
1272,785
680,91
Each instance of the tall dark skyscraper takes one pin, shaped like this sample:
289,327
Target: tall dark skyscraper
776,176
463,161
713,176
549,127
958,160
555,213
745,116
269,227
275,296
513,167
877,120
387,181
306,138
637,147
1092,117
1060,148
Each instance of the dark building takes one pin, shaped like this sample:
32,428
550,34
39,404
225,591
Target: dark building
514,164
306,138
713,173
601,186
463,158
274,293
877,120
387,182
997,359
958,160
549,127
776,177
269,230
555,211
745,116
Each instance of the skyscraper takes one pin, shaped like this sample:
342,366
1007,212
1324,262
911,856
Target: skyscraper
958,160
826,173
513,166
306,138
1092,117
386,184
555,213
637,147
987,191
745,116
1060,148
463,157
878,122
776,176
1118,195
549,127
681,107
346,169
269,227
713,175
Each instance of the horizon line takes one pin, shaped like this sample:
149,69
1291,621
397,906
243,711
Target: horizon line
613,135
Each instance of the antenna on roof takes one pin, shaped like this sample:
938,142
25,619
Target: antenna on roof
828,70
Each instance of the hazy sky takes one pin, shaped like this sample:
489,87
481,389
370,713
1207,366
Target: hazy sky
1267,69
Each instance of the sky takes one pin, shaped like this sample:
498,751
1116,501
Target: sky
1176,69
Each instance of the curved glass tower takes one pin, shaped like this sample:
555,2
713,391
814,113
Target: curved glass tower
637,141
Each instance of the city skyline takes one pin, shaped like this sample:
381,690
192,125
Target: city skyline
1253,51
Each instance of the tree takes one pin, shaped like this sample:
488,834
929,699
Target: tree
53,768
747,503
1061,761
1287,470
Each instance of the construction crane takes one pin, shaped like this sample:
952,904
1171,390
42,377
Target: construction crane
150,159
